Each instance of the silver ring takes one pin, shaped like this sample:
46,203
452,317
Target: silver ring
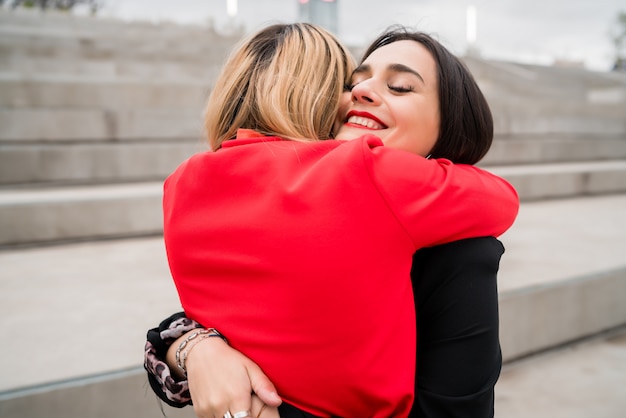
228,415
241,414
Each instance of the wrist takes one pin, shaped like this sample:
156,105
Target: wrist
189,341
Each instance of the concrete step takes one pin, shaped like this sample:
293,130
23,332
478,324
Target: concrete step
97,162
128,160
501,79
563,275
554,148
527,99
534,115
53,44
63,92
29,216
562,278
51,21
548,181
85,124
39,215
23,63
75,36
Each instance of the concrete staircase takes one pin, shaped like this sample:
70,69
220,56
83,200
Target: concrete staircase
94,114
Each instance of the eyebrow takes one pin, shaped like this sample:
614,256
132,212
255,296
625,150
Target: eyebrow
401,68
397,68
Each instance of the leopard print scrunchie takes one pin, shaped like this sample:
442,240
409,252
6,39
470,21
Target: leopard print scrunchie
174,393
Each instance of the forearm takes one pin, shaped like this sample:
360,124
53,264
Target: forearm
179,353
439,202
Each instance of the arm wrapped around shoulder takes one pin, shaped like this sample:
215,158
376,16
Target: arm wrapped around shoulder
437,201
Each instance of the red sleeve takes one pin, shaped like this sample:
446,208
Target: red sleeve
437,201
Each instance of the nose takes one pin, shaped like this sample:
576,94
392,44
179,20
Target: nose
364,93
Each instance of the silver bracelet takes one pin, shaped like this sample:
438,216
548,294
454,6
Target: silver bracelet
189,342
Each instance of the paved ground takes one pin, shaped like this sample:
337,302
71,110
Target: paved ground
586,380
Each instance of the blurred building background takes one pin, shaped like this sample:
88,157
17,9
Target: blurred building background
95,112
321,12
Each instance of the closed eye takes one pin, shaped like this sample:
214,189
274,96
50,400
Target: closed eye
401,89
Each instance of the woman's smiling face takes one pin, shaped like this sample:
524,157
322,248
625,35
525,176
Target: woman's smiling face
394,95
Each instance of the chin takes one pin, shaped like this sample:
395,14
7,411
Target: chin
348,133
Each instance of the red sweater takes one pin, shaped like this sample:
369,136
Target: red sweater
301,253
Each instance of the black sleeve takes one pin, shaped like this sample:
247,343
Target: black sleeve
458,356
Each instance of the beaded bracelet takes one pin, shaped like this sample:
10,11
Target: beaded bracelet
190,341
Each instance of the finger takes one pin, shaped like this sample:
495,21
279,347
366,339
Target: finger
241,404
257,406
262,410
244,413
262,386
266,411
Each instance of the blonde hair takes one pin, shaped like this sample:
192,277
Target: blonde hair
286,80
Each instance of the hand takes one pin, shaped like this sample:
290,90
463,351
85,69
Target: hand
222,379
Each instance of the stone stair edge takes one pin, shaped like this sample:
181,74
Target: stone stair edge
101,124
104,95
590,304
